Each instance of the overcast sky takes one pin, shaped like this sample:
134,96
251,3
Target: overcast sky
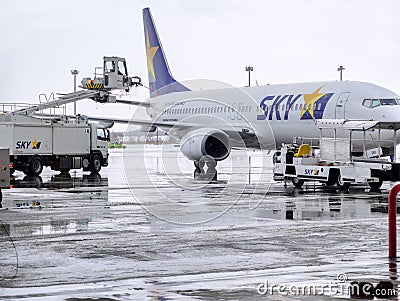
285,41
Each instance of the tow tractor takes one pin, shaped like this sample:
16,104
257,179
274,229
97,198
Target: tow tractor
335,161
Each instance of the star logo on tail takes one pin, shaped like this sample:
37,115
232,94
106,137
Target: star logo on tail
150,53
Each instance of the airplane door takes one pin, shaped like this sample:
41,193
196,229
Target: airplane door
341,105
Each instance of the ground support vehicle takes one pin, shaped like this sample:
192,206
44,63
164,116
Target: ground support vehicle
334,161
4,171
58,143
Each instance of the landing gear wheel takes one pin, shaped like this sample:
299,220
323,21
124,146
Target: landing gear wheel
376,185
197,173
95,164
342,185
199,168
298,183
212,170
35,167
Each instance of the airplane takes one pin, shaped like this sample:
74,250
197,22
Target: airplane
211,122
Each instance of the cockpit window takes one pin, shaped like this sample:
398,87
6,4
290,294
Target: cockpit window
388,102
367,103
373,103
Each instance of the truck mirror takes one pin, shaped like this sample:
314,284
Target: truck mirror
108,136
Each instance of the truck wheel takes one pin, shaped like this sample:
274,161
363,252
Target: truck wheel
342,185
298,183
95,163
35,167
376,185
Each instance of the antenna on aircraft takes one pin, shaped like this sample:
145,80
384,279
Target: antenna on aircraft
249,69
340,69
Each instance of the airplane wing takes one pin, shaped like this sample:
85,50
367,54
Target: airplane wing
236,134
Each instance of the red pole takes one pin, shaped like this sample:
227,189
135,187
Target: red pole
392,210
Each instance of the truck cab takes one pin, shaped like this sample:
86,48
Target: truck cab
99,139
115,73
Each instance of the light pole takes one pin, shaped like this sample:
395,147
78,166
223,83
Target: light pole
249,69
74,72
340,69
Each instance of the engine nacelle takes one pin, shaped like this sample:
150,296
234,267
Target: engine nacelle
206,142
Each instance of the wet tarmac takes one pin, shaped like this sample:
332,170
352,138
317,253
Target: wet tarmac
147,234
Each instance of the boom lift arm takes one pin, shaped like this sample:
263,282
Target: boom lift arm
115,77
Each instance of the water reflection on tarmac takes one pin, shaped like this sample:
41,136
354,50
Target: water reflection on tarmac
75,236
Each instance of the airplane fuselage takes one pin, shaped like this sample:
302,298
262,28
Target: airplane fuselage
278,113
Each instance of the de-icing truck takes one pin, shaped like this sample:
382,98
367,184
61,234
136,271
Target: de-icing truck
58,143
62,142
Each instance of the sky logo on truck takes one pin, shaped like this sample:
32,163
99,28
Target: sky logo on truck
28,144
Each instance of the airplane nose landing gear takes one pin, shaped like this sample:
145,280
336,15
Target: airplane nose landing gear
210,174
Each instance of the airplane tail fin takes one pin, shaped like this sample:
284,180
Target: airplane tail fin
161,80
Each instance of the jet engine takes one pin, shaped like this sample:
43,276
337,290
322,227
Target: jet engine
206,142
